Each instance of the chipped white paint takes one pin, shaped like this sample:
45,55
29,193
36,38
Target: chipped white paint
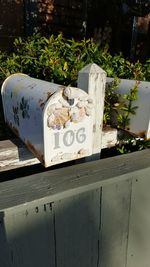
52,120
14,155
92,80
139,123
109,138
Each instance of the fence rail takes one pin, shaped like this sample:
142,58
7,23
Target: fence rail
92,214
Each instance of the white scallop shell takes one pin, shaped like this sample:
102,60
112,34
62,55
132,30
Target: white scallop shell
59,118
72,92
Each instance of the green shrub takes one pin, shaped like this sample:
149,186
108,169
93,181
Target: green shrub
59,60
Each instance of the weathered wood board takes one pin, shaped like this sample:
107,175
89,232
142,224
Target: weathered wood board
115,224
14,154
94,214
139,228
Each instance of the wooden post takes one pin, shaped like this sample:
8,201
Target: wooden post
92,79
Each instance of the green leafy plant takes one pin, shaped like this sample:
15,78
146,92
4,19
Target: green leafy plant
118,107
128,108
59,60
132,145
111,101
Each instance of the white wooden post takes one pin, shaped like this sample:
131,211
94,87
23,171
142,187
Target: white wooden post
92,79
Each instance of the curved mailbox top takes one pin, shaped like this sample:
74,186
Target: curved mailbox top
54,121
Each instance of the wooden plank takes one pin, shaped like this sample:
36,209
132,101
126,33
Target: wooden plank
109,137
139,230
65,182
30,236
115,224
92,80
14,154
77,222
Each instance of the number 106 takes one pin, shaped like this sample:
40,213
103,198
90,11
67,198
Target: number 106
69,138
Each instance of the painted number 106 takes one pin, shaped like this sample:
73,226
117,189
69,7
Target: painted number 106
69,138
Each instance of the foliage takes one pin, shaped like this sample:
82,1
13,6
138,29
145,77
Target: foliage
127,108
132,145
118,107
59,60
111,101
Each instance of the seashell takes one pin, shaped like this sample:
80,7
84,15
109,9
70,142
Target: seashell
82,103
58,118
74,114
72,92
51,109
58,105
90,105
64,103
90,101
59,127
88,111
54,127
73,110
82,113
83,98
50,120
75,117
67,124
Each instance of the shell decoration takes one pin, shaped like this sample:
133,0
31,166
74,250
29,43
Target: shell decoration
72,107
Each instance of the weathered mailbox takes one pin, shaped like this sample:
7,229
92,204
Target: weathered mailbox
140,122
54,121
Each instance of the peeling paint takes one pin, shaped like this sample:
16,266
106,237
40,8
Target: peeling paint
13,128
49,118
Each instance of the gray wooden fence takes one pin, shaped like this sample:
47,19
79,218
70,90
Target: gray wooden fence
96,214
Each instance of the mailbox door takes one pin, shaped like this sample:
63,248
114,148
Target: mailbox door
68,127
71,143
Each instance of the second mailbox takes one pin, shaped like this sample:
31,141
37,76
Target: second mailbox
55,122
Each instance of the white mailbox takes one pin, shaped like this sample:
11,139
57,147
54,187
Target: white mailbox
140,122
54,121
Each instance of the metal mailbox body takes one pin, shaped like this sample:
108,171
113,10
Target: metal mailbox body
140,122
54,121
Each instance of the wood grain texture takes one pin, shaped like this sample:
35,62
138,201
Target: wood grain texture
84,215
77,222
30,236
139,228
92,79
115,224
14,154
69,181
